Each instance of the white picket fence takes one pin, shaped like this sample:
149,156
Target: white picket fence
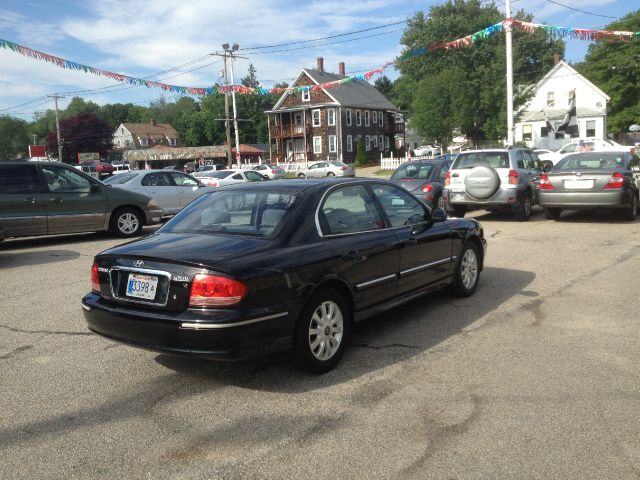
391,163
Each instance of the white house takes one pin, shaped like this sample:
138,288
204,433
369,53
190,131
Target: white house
555,95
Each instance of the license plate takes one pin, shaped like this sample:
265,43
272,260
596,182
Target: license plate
142,286
569,184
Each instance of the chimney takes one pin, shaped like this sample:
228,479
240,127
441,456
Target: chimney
320,64
556,58
153,122
341,69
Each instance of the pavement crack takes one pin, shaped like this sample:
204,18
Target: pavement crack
496,233
45,332
15,351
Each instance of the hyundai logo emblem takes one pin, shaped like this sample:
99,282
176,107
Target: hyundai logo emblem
138,263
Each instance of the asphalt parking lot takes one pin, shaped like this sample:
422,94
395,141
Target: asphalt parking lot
535,376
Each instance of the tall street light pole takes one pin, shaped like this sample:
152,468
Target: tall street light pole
509,37
235,112
226,108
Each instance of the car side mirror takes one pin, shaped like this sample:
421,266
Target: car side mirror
94,188
547,166
438,215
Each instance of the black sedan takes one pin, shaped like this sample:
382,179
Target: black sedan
586,181
424,178
247,270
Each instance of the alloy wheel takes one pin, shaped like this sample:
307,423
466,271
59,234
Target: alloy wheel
469,268
128,223
326,330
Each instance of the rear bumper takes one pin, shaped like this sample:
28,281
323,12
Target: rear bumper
215,334
154,215
503,198
586,200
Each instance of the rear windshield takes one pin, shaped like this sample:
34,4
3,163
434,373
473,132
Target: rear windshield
219,173
483,159
413,170
591,161
339,164
236,211
120,178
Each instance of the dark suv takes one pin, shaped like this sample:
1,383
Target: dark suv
494,179
44,198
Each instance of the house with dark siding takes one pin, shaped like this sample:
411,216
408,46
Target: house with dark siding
326,124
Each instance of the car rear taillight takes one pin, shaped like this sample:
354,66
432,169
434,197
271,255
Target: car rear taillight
447,179
95,278
426,188
513,177
215,291
343,168
545,183
273,172
212,183
616,181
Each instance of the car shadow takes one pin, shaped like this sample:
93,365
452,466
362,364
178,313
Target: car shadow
41,257
593,216
376,343
537,215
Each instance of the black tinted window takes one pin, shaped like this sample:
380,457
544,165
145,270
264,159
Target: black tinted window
401,208
19,179
350,210
156,180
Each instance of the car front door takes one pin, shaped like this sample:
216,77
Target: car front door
159,186
72,204
22,207
425,246
365,250
188,188
253,176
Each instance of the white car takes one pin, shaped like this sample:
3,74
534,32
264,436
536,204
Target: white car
427,150
121,167
274,172
171,190
327,169
583,146
221,178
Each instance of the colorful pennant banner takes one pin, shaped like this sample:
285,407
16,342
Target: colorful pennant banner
552,30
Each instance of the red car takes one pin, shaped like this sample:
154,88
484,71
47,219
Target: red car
104,169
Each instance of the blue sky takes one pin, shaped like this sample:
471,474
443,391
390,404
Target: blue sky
141,38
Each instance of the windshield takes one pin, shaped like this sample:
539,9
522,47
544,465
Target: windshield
413,170
482,159
120,178
592,161
240,212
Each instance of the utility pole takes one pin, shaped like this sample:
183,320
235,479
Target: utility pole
226,112
509,37
235,112
55,98
35,136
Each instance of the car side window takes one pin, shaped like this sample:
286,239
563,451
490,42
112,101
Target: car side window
350,209
315,165
634,165
520,159
65,180
528,161
237,176
253,176
400,206
19,179
155,180
443,171
183,180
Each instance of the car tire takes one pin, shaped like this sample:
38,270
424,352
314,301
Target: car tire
467,273
322,332
552,213
126,222
631,212
302,175
523,213
459,211
331,174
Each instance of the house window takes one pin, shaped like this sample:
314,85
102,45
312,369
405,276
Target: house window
157,140
550,100
306,95
381,119
367,143
332,144
297,118
381,142
317,144
526,132
366,118
316,117
172,142
358,118
349,143
348,113
144,142
375,117
374,141
127,143
591,128
544,131
331,117
386,143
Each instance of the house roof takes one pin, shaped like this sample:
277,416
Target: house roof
355,93
150,130
248,149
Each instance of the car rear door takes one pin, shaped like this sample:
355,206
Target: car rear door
22,207
159,186
425,247
365,250
187,187
72,204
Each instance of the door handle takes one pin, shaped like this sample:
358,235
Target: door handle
352,256
30,200
55,199
408,242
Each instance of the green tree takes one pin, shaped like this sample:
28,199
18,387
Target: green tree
361,157
83,133
14,138
613,68
476,88
77,105
385,86
251,80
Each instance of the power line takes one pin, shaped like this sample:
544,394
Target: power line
578,10
326,38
